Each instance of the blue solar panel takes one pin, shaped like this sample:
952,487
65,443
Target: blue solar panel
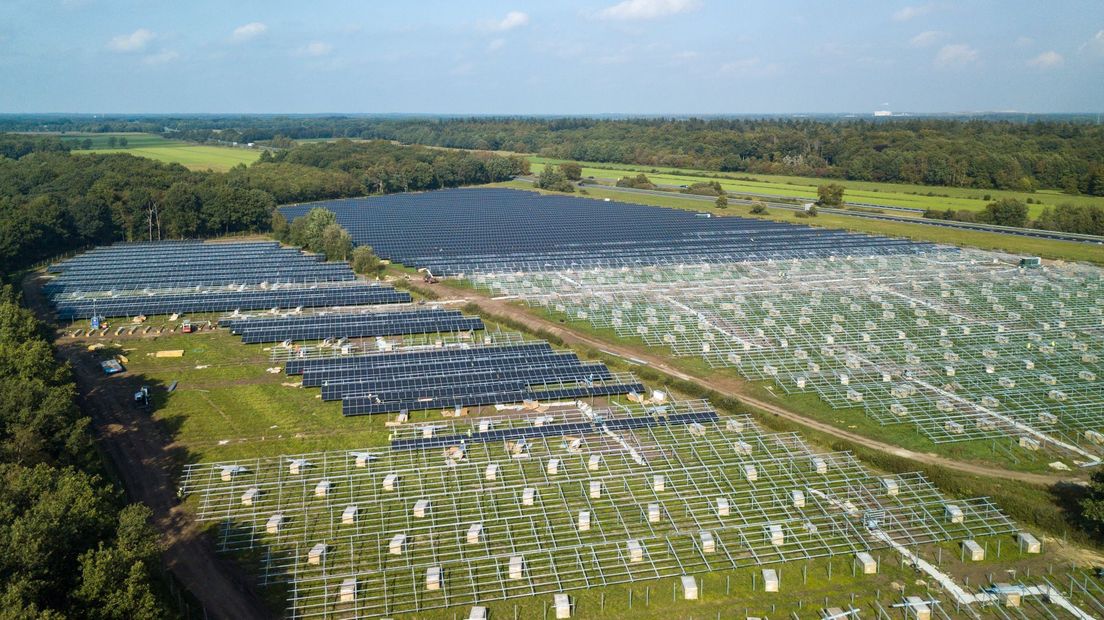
553,430
472,230
129,279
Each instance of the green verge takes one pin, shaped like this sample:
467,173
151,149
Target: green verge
888,194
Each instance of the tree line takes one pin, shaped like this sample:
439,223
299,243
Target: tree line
53,201
70,546
1000,154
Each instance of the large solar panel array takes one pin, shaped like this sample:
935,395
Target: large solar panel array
131,279
186,264
457,376
366,324
480,230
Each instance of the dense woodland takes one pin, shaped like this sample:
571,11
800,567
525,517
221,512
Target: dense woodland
69,545
1063,154
52,201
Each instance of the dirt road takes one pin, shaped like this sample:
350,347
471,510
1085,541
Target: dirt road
727,386
140,452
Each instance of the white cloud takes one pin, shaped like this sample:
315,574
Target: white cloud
249,31
133,42
956,55
926,38
315,49
513,19
161,57
1024,41
911,12
496,45
647,9
1046,60
1095,44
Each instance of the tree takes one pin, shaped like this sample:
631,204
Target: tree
640,181
280,227
1092,505
306,231
830,195
180,211
365,261
721,202
572,170
1005,212
112,141
704,188
758,207
123,143
553,179
336,242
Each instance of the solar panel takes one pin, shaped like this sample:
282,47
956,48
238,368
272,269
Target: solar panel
129,279
448,231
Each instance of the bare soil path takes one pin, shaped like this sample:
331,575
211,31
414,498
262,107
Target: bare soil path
144,460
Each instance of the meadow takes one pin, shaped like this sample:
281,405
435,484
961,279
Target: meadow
192,156
887,194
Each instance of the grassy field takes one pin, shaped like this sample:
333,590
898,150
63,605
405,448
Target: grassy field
889,194
1046,248
190,155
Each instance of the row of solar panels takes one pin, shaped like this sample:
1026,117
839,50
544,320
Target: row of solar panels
554,430
491,396
351,294
446,360
448,377
360,325
449,381
126,254
246,279
448,231
303,366
203,264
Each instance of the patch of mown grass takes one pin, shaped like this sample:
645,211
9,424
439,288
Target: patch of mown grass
867,192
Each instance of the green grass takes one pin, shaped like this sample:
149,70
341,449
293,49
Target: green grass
191,155
889,194
1046,248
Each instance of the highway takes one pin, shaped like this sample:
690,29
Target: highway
1008,230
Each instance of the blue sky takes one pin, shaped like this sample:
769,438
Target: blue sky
564,57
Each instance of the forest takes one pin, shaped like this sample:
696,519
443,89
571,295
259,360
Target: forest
988,154
70,546
52,202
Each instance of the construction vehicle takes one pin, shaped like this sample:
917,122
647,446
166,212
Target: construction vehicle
186,327
142,397
428,278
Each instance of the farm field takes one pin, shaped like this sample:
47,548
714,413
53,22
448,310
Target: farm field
192,156
889,194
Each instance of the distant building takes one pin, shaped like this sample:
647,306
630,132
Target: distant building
882,113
